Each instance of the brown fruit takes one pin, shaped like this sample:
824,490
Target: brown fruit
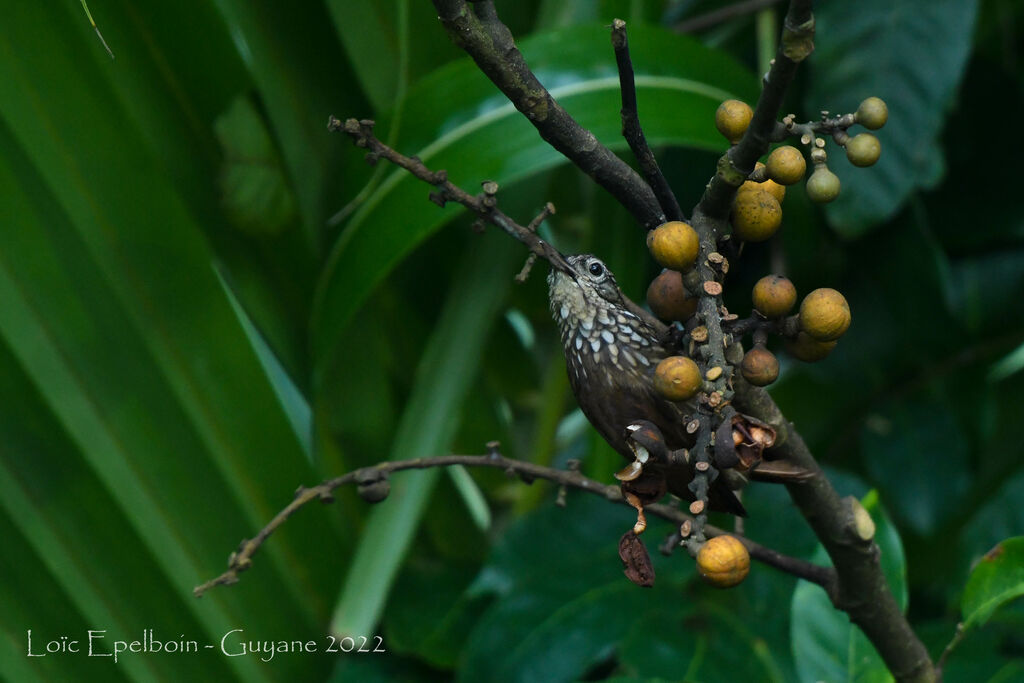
774,296
808,349
669,299
824,314
732,119
760,367
786,165
723,561
674,245
677,378
756,215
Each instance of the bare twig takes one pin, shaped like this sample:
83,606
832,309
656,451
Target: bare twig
631,129
483,205
478,30
241,559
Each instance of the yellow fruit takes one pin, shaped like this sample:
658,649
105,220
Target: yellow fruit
786,165
824,314
677,378
776,190
723,561
808,349
863,150
822,186
774,296
732,119
674,245
872,113
756,215
760,367
669,299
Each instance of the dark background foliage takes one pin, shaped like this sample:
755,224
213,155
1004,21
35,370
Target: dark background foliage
206,300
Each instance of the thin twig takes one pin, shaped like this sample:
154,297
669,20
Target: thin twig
631,129
241,559
482,205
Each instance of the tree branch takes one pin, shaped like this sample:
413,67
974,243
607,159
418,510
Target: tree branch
483,205
489,42
862,591
858,585
373,480
631,129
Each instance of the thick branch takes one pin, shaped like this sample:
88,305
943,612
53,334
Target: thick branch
862,589
631,129
241,559
489,42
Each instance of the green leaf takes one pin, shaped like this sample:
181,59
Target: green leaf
997,578
887,48
900,443
826,646
141,436
427,428
466,126
563,603
385,55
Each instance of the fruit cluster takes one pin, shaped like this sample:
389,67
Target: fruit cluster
822,317
755,217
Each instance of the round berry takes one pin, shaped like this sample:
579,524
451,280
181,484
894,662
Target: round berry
786,165
674,245
760,367
723,561
863,149
872,113
732,119
824,314
669,299
774,296
756,215
823,185
677,378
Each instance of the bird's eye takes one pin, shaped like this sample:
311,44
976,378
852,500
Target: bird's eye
596,269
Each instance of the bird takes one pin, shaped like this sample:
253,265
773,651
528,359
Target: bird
612,347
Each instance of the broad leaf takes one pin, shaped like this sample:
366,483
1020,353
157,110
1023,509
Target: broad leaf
997,578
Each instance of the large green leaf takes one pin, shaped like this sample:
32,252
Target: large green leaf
463,124
997,578
141,436
826,646
911,54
